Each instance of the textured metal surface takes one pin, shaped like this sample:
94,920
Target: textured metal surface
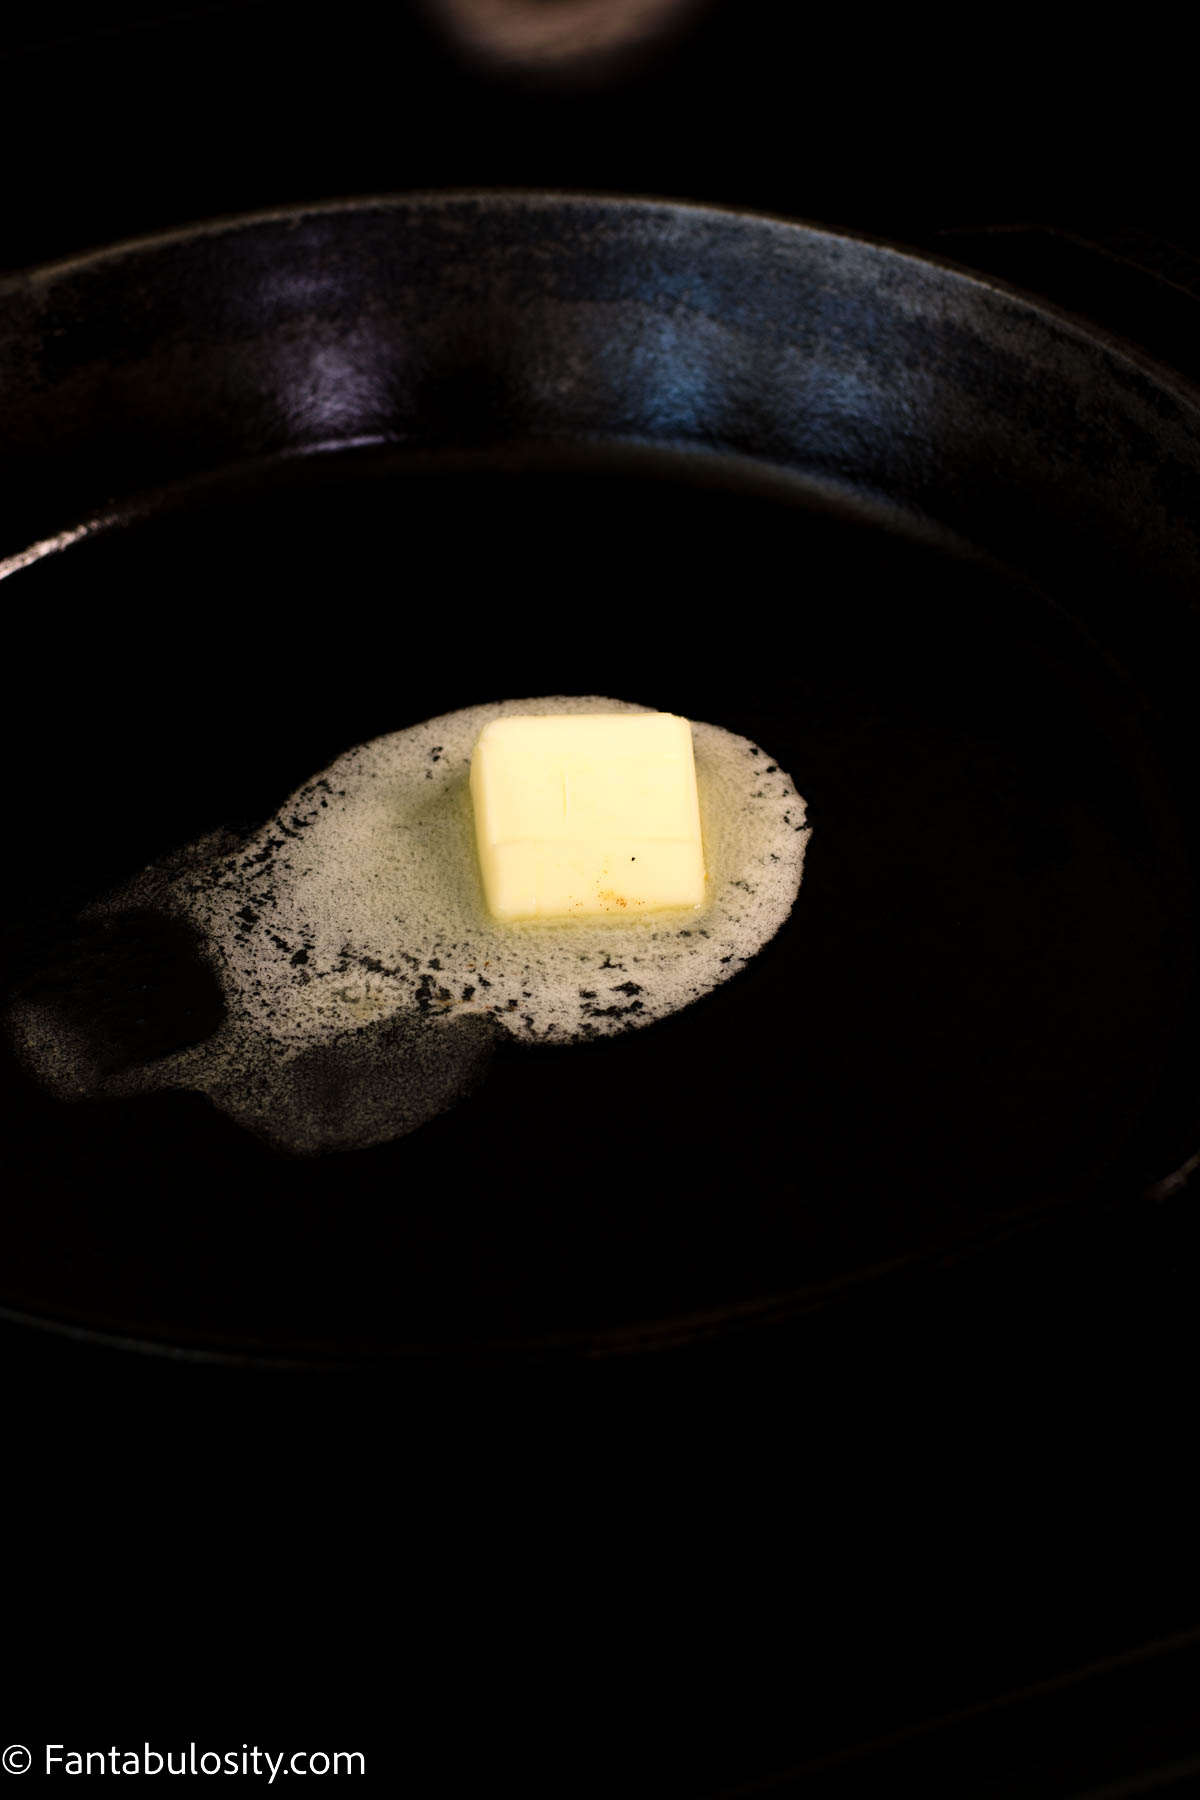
460,319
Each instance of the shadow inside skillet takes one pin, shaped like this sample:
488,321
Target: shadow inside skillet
959,1024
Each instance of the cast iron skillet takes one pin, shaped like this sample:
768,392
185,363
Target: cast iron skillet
274,485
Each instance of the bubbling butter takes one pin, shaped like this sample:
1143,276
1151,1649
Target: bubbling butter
364,979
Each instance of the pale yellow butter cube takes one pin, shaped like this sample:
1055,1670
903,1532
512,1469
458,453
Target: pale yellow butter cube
587,813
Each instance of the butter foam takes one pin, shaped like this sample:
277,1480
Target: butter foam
364,982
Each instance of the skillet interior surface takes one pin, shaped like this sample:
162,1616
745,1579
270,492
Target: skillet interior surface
927,545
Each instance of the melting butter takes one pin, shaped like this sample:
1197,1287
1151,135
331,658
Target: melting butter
364,979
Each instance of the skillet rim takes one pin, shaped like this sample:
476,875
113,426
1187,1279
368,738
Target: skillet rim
42,274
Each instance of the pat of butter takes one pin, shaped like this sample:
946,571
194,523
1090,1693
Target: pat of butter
577,814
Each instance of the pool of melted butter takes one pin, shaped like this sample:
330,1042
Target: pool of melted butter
365,983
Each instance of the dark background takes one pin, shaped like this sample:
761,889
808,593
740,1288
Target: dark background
830,1534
